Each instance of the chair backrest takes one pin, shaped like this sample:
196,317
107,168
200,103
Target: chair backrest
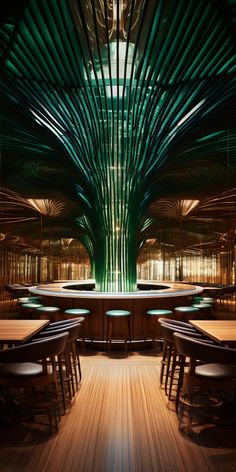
181,324
168,332
62,323
72,329
32,352
205,352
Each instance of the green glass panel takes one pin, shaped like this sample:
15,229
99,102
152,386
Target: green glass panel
114,86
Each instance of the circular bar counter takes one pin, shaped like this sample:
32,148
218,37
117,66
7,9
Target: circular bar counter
150,295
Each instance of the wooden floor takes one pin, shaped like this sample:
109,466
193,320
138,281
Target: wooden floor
120,422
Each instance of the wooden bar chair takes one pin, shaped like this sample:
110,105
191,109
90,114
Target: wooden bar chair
212,368
32,366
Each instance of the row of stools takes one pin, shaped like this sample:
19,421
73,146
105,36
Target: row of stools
69,367
202,307
32,307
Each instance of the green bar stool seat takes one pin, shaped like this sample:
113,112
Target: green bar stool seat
186,313
29,308
197,299
77,311
86,314
206,310
48,311
208,300
203,299
211,301
22,300
113,315
154,315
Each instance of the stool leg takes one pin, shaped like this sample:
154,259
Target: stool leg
83,340
163,362
109,334
60,368
126,335
147,330
172,373
69,374
182,360
90,331
154,339
129,329
169,357
74,363
78,359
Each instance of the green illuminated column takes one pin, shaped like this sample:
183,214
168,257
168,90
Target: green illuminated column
106,92
115,258
115,181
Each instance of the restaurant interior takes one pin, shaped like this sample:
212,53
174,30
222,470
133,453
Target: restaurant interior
118,235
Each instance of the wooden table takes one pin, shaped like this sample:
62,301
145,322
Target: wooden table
18,331
222,331
214,291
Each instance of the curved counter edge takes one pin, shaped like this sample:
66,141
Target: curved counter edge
57,289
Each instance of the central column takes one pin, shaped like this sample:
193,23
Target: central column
115,247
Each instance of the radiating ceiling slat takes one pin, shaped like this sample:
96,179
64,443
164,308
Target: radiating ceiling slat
119,123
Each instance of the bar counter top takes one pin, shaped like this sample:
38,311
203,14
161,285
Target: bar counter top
64,289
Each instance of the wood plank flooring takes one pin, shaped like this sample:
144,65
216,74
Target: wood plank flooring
120,421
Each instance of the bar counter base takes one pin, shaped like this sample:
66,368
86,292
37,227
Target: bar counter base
169,296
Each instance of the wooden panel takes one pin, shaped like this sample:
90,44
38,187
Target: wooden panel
96,321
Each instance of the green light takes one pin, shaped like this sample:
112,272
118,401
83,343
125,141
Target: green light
116,86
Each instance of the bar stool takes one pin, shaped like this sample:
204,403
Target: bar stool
187,312
22,300
83,312
49,311
197,299
174,365
206,310
210,301
155,314
68,363
29,308
111,316
174,324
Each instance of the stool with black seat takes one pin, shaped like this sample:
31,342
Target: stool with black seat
69,361
167,345
215,373
113,315
31,366
154,315
86,314
64,324
172,362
